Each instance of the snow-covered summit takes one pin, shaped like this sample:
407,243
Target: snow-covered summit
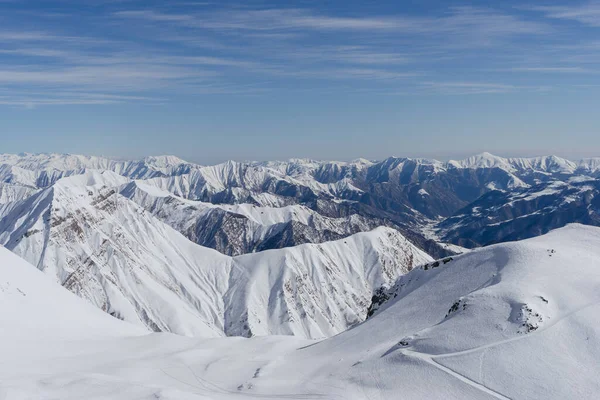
164,161
483,160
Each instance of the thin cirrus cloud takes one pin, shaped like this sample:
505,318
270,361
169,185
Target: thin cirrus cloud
471,87
588,13
271,19
125,77
459,20
138,54
560,70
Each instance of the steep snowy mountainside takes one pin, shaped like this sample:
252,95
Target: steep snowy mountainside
315,290
10,192
510,321
502,216
590,166
234,182
112,252
32,178
550,164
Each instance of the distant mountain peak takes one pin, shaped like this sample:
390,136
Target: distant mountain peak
163,161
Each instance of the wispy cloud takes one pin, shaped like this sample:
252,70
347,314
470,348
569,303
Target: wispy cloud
117,78
134,52
272,19
150,15
35,99
26,36
459,20
465,88
588,13
560,70
362,55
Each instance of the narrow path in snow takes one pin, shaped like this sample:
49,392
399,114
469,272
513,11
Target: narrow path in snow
429,359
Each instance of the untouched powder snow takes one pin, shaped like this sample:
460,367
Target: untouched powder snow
511,321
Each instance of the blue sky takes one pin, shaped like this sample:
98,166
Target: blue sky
210,81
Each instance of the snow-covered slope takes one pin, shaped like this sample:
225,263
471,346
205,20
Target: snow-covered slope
510,321
314,290
113,253
33,308
10,192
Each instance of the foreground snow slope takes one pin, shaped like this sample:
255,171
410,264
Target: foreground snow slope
32,307
511,321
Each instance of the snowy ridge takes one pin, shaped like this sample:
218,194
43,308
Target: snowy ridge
548,164
52,167
297,168
243,228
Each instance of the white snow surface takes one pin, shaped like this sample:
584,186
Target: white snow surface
510,321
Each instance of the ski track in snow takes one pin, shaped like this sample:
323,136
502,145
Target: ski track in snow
430,358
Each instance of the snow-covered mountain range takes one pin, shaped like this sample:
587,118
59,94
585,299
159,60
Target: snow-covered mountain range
258,248
410,195
510,321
